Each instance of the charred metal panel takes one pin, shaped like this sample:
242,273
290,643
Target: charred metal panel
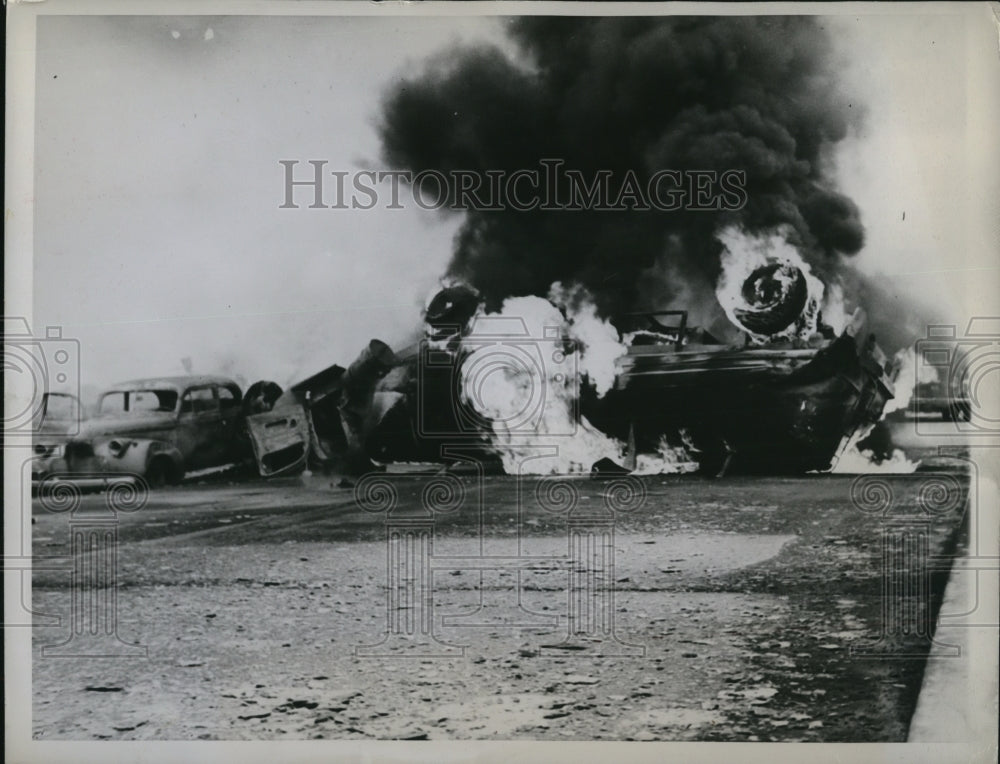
280,440
325,419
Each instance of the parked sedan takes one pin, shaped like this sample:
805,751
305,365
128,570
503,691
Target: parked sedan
158,428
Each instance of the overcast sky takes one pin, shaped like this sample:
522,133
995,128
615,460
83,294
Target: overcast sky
158,233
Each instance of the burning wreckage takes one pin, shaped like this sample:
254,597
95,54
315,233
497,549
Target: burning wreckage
782,382
542,386
646,390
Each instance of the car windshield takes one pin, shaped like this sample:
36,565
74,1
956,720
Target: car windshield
137,401
61,406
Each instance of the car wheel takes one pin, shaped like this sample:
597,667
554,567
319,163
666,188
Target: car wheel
161,472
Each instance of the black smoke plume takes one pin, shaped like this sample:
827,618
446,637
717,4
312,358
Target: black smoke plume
634,94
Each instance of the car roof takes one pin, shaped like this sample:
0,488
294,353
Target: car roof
172,383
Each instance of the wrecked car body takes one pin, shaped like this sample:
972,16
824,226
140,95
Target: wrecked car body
329,419
157,429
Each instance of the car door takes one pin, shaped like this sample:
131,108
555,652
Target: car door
234,443
200,432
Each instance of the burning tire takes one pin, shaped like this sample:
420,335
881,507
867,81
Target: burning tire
451,310
774,295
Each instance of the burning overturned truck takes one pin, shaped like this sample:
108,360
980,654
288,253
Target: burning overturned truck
645,390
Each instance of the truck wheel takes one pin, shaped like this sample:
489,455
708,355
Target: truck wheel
773,296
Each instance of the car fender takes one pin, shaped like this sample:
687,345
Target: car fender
124,454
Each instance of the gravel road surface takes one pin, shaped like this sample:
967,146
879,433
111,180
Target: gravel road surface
734,609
